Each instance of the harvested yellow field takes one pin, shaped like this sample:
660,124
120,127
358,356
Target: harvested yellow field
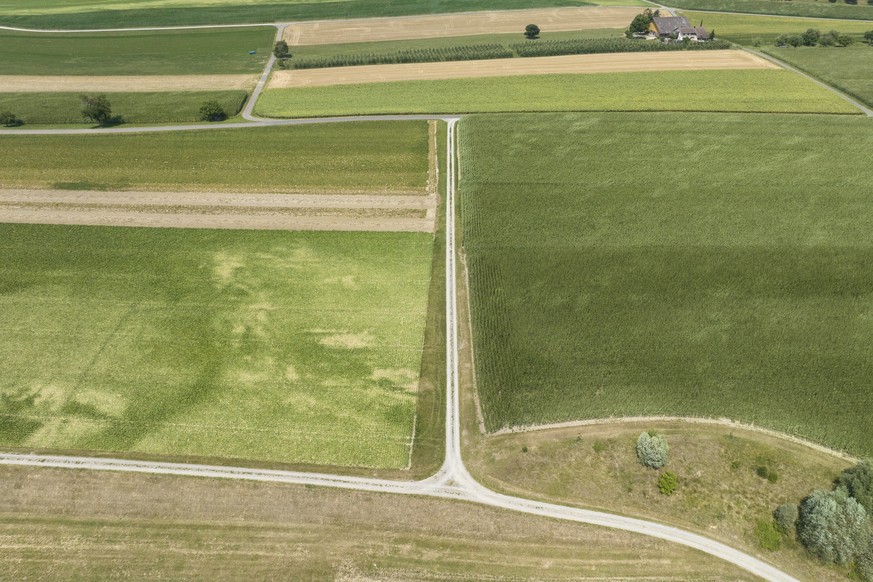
124,84
598,63
462,24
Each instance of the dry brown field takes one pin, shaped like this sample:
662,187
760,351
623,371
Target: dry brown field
123,84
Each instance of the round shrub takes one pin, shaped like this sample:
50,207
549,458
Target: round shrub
833,526
667,483
858,481
212,111
785,517
652,450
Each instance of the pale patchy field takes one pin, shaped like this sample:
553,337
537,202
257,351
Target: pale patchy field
267,346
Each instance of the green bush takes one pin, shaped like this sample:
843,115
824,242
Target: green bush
858,481
765,472
667,483
212,111
652,450
532,31
768,535
8,119
864,564
785,517
833,526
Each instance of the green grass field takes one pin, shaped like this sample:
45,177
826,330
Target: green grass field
745,29
189,52
282,347
759,91
368,156
672,264
849,69
816,8
164,107
119,13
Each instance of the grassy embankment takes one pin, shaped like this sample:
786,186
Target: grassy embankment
274,347
756,91
88,525
814,8
718,274
100,14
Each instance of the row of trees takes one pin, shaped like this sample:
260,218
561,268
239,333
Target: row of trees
835,525
814,37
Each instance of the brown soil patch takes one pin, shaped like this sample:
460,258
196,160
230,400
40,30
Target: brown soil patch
599,63
463,24
220,210
124,84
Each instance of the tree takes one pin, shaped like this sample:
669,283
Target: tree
845,40
212,111
532,31
858,482
667,483
8,119
868,36
781,40
833,526
640,23
785,517
652,450
810,37
96,109
864,564
795,41
852,2
827,40
280,49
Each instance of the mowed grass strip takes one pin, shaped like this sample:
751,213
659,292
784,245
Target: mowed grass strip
160,107
754,91
280,347
169,52
849,69
672,264
119,14
384,157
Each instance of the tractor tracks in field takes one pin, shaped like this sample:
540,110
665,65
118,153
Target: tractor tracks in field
453,480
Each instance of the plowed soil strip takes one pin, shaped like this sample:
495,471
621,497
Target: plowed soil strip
124,84
236,211
465,24
598,63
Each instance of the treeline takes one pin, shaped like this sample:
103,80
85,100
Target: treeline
539,48
458,53
586,46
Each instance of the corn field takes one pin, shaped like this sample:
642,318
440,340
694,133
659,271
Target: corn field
457,53
583,46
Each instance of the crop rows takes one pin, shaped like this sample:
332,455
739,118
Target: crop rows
584,46
458,53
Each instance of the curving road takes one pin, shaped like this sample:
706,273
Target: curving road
453,480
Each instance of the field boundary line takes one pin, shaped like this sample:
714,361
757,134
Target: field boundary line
724,422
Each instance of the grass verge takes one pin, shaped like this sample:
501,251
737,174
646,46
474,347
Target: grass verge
617,272
159,107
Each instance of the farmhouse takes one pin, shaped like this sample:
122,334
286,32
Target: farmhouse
676,27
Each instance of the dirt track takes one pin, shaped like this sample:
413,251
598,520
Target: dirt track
124,84
220,210
465,24
599,63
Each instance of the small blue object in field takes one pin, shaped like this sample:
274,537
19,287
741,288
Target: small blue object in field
253,52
